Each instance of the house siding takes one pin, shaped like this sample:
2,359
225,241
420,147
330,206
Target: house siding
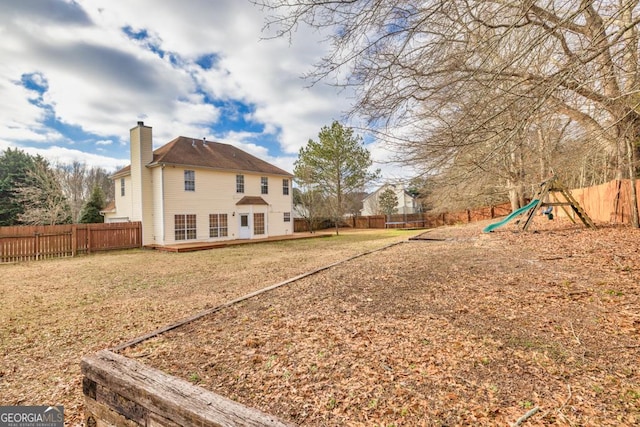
215,192
406,204
123,203
158,205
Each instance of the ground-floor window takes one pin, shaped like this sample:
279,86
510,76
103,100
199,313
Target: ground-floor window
287,217
185,227
218,225
258,223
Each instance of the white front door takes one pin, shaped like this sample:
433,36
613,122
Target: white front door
245,230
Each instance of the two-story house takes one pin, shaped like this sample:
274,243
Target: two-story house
193,190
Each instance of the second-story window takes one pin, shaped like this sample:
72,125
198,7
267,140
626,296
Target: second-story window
264,185
285,187
122,187
189,181
239,183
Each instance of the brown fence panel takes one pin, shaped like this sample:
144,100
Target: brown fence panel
122,235
30,243
430,220
17,248
609,202
54,245
301,225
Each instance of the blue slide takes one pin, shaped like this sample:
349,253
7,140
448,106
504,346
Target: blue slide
489,228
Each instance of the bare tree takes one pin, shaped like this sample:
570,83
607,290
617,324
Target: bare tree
77,182
42,197
72,180
309,202
413,64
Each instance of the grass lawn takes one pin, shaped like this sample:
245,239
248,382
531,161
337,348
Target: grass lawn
53,312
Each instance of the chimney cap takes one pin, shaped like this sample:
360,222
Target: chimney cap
140,123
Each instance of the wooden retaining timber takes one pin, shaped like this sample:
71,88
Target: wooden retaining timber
122,392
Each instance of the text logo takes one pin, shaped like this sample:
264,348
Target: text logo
31,416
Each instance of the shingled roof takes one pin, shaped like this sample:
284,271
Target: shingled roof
191,152
251,200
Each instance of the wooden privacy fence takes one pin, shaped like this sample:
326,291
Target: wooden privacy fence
609,202
429,220
30,243
418,220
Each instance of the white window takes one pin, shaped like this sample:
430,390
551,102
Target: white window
239,183
218,226
185,227
189,181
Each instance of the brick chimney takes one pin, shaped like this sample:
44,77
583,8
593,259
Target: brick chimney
141,184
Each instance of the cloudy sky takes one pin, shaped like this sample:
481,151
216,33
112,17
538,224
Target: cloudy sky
75,76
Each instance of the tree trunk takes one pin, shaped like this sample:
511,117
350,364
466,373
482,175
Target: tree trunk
631,160
516,196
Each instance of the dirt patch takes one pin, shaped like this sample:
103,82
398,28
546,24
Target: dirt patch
459,328
54,312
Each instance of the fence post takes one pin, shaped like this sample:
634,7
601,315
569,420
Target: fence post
88,239
74,240
36,248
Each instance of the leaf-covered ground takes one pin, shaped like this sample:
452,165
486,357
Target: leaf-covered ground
54,312
459,328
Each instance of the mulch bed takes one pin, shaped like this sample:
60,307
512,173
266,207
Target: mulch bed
459,328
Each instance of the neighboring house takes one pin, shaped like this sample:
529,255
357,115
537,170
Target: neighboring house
193,190
407,204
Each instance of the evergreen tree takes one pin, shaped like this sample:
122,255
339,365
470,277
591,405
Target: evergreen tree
14,173
388,201
337,164
91,210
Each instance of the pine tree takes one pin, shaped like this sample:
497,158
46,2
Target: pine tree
388,201
338,164
14,173
91,210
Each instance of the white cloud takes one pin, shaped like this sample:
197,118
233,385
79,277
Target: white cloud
63,155
99,81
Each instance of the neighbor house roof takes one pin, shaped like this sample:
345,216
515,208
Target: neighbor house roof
192,152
